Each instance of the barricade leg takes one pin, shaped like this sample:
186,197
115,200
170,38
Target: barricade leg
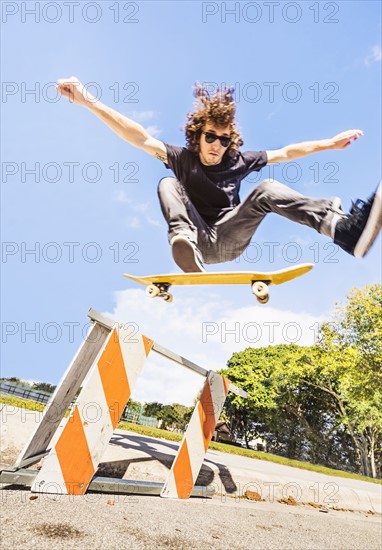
72,462
63,396
193,448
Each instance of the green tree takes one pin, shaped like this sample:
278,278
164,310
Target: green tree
359,324
43,386
256,371
184,414
320,403
152,409
278,405
134,406
170,417
356,332
175,416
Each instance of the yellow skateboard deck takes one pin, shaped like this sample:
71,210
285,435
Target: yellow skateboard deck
158,285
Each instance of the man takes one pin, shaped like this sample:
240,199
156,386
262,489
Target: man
207,222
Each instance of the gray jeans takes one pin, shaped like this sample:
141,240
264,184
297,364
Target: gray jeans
226,239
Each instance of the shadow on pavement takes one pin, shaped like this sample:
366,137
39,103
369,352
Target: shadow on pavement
146,445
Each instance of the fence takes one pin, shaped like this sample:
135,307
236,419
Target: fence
10,388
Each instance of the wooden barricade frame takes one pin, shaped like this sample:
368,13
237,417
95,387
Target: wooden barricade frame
107,365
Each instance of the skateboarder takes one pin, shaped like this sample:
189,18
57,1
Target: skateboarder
201,204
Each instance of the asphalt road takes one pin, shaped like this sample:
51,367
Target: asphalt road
137,457
226,521
107,523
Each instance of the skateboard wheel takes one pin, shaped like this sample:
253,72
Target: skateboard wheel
167,297
263,300
152,291
260,290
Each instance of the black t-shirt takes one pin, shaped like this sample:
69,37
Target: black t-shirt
213,190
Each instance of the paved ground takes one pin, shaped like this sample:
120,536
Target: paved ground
226,521
132,456
99,521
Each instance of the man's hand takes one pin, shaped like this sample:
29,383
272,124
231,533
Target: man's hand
74,91
127,129
344,139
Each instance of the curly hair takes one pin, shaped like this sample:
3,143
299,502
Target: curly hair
219,110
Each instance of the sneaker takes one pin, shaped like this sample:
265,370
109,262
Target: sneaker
357,231
186,255
338,214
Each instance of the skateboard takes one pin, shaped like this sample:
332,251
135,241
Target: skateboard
159,285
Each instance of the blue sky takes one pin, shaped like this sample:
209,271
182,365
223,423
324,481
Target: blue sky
90,210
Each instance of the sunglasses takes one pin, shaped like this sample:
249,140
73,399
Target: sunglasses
210,137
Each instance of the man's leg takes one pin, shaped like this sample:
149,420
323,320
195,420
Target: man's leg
186,227
236,229
354,232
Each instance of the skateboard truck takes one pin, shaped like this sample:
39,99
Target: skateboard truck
161,290
260,290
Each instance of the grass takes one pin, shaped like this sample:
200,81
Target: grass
22,403
222,447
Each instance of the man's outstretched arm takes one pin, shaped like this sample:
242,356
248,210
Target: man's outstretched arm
298,150
127,129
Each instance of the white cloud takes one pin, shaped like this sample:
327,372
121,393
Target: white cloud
271,114
374,56
141,116
138,213
206,328
145,116
121,196
140,207
153,130
311,183
133,222
154,222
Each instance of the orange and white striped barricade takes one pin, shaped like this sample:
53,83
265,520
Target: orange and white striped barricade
107,365
77,452
193,448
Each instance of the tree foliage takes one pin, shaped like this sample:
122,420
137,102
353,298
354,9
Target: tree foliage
43,386
319,403
152,409
173,417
